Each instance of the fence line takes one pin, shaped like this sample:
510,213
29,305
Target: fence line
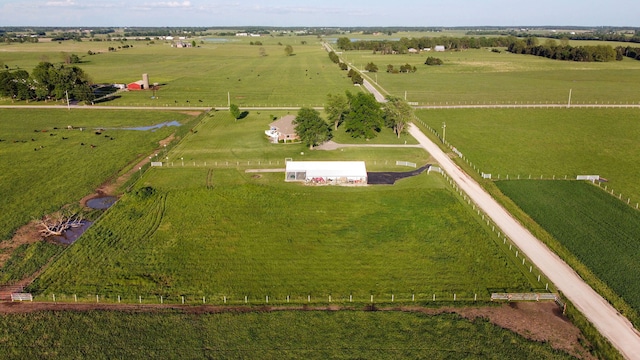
299,299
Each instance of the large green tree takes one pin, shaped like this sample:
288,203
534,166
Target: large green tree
344,43
365,116
311,128
397,114
235,111
337,108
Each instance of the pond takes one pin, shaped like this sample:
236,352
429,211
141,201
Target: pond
71,235
155,127
101,203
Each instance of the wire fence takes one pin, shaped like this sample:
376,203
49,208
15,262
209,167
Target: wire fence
441,297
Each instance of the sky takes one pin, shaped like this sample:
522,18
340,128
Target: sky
331,13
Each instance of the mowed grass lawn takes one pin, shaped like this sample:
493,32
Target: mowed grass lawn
482,76
600,230
210,74
276,335
548,142
46,166
258,236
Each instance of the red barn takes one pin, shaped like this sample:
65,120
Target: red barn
138,85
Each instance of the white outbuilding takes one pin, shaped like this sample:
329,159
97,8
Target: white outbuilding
327,172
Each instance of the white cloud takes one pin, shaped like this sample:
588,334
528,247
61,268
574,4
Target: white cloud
169,4
60,3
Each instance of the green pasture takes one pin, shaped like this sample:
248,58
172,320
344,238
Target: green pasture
45,166
221,141
599,229
208,75
217,231
548,142
276,335
481,76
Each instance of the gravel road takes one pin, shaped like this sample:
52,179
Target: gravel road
605,318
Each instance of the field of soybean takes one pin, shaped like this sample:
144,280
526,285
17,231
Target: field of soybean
276,335
599,229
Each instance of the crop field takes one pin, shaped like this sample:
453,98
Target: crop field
548,142
207,75
45,165
247,235
599,229
485,77
277,335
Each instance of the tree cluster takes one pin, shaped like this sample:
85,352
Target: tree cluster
433,61
550,50
355,77
311,128
362,116
371,67
406,68
334,57
47,81
629,51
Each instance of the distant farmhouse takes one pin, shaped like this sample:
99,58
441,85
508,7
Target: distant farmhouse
282,130
181,44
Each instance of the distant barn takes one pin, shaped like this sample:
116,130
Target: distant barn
140,84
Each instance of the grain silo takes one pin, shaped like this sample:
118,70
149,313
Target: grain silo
145,81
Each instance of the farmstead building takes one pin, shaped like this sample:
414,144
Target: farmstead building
327,172
282,130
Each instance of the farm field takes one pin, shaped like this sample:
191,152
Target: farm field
46,166
481,76
220,232
207,75
276,335
595,226
548,142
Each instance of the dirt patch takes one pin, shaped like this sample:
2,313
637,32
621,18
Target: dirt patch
27,234
257,176
190,113
538,321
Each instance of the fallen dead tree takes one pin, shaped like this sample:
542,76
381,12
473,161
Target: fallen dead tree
56,225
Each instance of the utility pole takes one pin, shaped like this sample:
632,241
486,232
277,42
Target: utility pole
228,99
68,105
569,103
444,128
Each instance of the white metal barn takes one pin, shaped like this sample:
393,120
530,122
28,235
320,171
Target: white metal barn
327,172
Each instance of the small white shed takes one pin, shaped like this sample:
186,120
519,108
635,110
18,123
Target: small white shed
327,172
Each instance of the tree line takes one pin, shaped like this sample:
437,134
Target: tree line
359,114
46,82
550,49
403,45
